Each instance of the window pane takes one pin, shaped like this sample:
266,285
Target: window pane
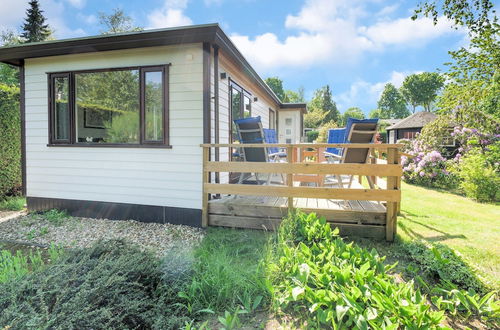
235,110
61,113
154,106
107,107
246,109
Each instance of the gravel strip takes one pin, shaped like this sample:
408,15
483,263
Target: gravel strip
83,232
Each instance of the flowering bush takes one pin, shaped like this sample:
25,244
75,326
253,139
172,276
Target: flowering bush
428,168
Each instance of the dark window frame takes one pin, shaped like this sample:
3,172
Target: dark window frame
233,84
143,143
272,119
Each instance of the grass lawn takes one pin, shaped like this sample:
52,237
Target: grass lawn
469,227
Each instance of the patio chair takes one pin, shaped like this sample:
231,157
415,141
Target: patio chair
357,131
250,131
274,153
335,135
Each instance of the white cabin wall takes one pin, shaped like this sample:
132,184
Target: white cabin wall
163,177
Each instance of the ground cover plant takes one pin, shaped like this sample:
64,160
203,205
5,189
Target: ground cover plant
12,203
111,285
15,265
332,284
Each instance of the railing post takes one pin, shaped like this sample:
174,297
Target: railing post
206,175
391,216
289,176
373,160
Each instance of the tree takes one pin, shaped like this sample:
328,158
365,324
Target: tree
314,118
473,14
422,89
9,74
34,27
323,101
375,113
391,103
353,112
276,85
117,22
293,97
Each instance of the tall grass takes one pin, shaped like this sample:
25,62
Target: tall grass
13,204
229,270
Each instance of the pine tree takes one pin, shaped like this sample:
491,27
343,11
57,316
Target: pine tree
329,106
34,27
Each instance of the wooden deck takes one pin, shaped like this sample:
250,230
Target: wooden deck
266,212
305,185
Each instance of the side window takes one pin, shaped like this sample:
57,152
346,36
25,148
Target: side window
288,121
241,106
60,108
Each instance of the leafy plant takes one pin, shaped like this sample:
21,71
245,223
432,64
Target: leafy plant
464,303
56,217
15,266
330,283
231,320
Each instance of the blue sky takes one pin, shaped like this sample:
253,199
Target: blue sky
355,46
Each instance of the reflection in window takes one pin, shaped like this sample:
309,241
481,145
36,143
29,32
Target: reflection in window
107,107
154,105
235,110
61,114
247,107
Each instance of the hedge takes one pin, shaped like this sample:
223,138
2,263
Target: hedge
10,141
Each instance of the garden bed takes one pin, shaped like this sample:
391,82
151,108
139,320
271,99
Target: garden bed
55,227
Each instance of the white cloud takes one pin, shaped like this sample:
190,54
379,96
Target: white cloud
53,10
368,92
326,31
170,15
13,17
77,3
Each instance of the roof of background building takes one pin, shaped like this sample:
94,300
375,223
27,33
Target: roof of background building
417,120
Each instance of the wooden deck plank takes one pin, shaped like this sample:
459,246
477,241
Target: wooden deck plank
243,222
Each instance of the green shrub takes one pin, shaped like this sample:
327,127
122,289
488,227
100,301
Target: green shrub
480,179
332,284
111,285
10,141
312,136
13,203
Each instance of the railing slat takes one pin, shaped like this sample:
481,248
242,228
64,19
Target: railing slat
305,168
303,145
306,192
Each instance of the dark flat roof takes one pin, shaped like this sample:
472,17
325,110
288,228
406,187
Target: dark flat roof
211,33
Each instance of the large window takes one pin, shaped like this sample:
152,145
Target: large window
121,106
241,106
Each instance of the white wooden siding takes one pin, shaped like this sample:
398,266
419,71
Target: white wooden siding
164,177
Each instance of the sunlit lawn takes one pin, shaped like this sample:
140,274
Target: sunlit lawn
472,229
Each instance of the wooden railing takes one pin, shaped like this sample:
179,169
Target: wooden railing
297,165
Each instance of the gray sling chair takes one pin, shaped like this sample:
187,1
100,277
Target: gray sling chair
250,131
357,131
